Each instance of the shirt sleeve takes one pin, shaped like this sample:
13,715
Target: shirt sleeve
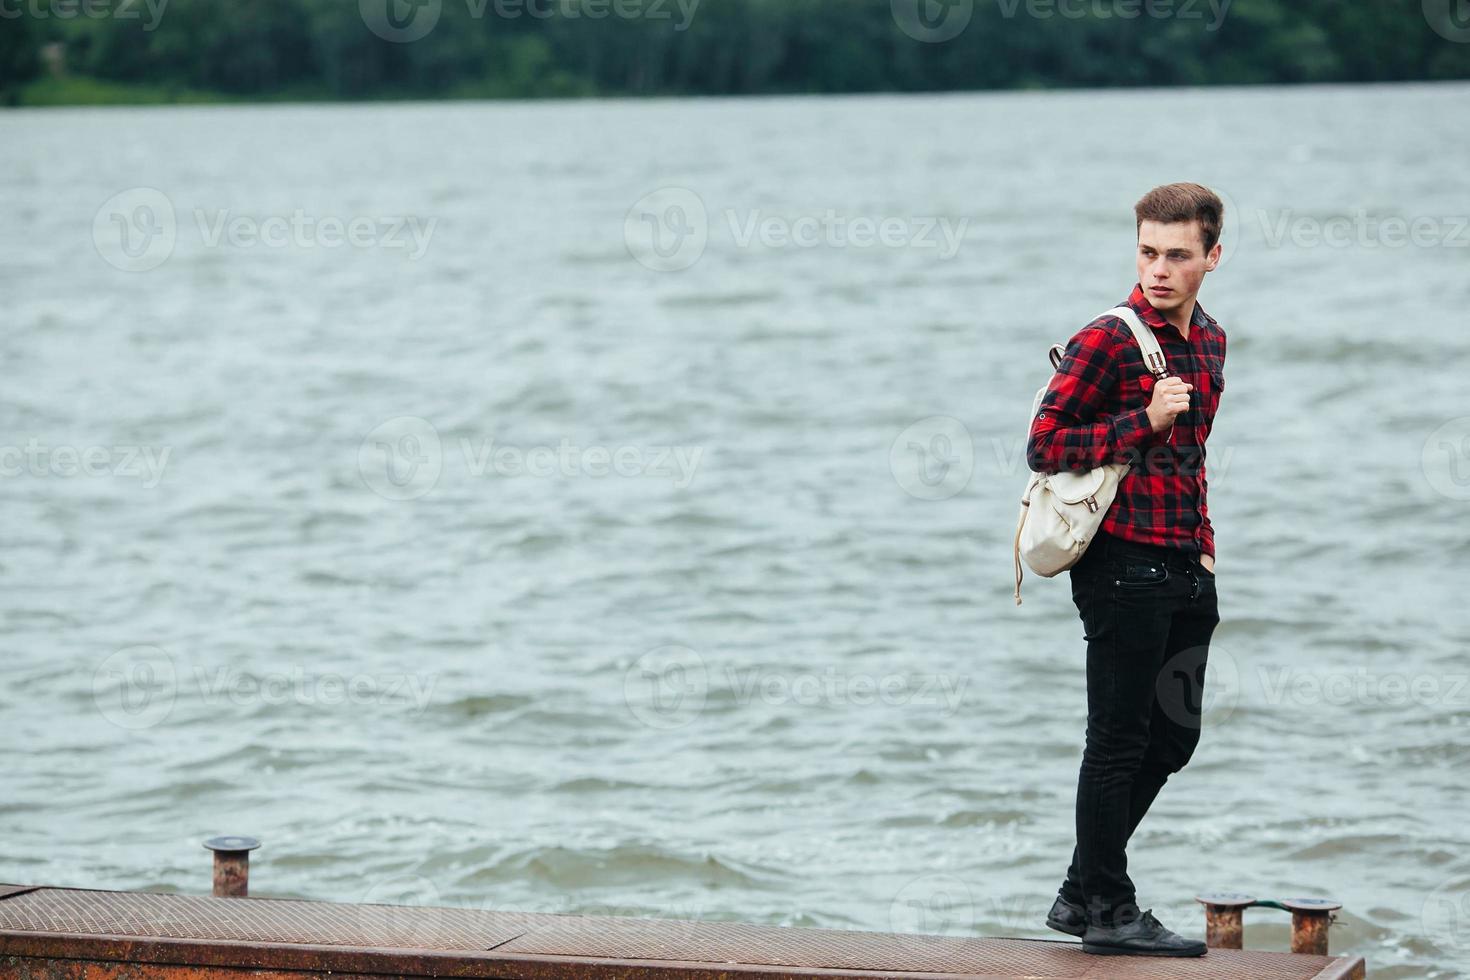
1067,432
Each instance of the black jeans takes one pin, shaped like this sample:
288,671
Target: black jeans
1148,613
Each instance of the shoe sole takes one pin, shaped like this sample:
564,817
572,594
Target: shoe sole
1069,930
1126,951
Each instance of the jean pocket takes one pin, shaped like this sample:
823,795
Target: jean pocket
1139,573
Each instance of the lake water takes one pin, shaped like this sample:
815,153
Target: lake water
607,506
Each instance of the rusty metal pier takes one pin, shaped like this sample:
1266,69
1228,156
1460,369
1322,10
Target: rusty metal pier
76,933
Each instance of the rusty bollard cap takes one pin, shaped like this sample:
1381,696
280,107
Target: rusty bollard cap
1229,900
1311,904
235,844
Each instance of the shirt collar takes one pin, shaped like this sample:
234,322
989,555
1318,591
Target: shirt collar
1146,312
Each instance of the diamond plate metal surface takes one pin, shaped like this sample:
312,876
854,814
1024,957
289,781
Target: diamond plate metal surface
539,946
840,949
144,914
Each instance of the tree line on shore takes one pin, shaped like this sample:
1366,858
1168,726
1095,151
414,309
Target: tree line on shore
364,49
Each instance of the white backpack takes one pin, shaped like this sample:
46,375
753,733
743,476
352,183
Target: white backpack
1061,512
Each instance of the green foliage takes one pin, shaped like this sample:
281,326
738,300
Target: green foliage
497,48
19,60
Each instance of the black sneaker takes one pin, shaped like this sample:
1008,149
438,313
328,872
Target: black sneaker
1066,917
1144,936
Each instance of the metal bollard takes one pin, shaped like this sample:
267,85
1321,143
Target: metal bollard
1310,918
1224,921
232,865
1225,924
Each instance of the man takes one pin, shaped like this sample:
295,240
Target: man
1145,586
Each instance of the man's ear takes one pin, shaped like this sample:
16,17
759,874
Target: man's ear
1213,259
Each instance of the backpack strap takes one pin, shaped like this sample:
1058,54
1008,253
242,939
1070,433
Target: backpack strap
1153,354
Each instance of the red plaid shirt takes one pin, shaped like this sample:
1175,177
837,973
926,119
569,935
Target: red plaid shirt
1095,411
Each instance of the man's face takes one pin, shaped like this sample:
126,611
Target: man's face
1172,263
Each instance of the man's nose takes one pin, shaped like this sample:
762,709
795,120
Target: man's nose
1159,269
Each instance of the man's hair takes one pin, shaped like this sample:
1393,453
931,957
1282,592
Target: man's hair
1173,203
